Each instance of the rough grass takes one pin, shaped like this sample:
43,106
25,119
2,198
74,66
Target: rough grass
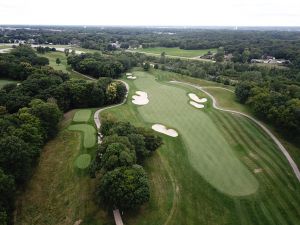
176,51
57,194
83,161
89,134
4,82
82,115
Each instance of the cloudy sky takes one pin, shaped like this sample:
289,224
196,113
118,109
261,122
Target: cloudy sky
155,12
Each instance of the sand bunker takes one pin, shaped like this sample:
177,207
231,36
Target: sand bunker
128,74
131,77
162,129
197,105
195,98
141,98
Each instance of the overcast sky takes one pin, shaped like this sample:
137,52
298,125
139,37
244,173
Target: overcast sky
155,12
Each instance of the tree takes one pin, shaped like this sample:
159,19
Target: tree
138,141
146,66
15,158
246,55
49,115
125,188
58,61
242,91
117,155
152,141
219,56
67,52
162,59
7,196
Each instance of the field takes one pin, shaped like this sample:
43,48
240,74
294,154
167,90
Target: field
175,51
4,82
221,169
52,56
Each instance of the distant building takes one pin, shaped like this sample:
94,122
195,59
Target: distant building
271,60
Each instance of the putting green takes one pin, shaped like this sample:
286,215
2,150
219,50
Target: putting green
209,153
83,161
89,134
82,115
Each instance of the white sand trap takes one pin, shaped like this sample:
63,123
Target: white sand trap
195,98
141,98
128,74
197,105
131,77
162,129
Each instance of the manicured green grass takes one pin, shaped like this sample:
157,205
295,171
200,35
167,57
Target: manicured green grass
214,160
82,115
276,201
83,161
4,82
175,51
89,134
226,99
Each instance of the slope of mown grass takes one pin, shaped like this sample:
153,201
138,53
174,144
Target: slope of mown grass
209,152
277,200
178,194
176,51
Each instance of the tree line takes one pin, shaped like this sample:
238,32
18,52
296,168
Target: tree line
274,102
277,43
122,181
98,65
30,112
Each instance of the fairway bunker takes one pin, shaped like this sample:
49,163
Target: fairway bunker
141,98
195,98
197,105
162,129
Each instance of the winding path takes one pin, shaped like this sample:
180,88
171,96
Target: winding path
275,139
96,115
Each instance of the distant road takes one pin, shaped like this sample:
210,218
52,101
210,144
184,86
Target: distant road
275,139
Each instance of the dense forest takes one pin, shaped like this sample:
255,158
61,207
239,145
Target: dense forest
30,112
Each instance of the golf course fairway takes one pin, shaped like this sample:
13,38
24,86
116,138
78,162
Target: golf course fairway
208,151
